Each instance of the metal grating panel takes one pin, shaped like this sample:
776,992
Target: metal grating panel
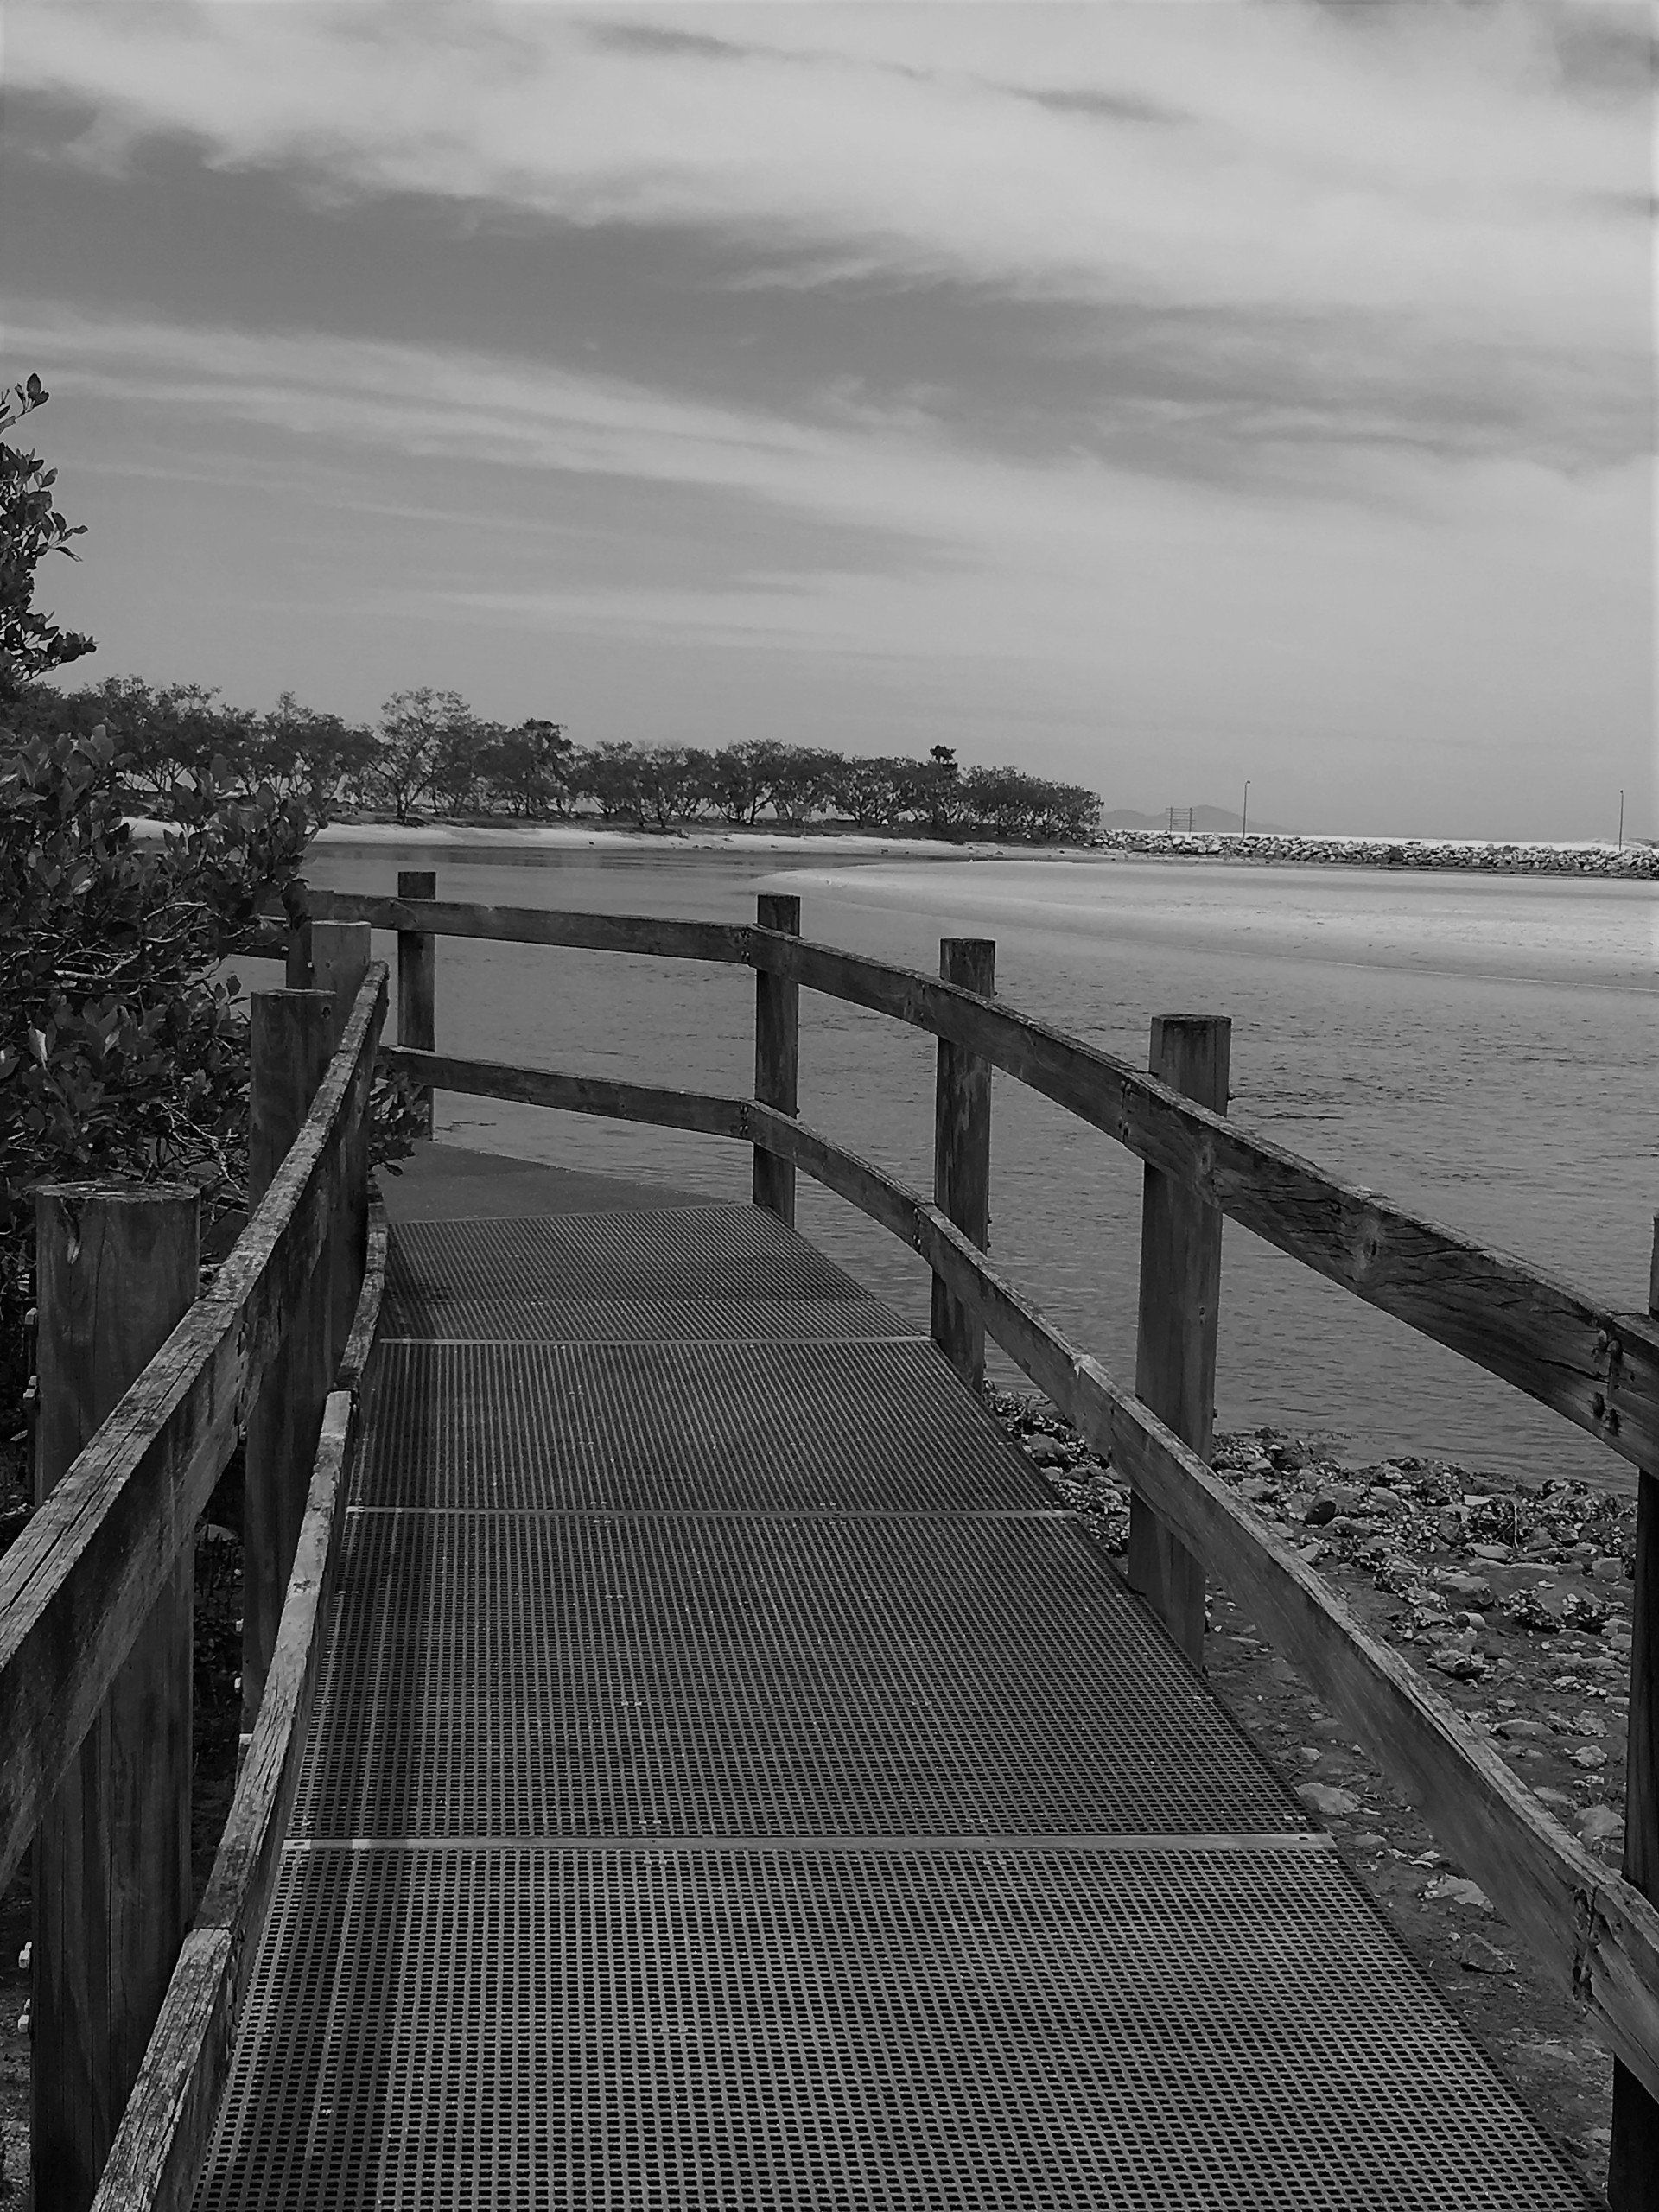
708,1273
670,1426
961,2030
568,1675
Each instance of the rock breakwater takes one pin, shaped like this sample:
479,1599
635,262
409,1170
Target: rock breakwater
1637,862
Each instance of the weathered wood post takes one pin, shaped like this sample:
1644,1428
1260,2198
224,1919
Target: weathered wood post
962,1152
1633,2155
340,952
116,1271
298,975
417,980
1181,1301
291,1037
776,1057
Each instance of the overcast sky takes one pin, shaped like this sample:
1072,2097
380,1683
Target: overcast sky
1154,395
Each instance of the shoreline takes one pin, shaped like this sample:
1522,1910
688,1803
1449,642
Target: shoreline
480,842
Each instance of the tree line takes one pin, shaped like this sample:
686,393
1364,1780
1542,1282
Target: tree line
431,754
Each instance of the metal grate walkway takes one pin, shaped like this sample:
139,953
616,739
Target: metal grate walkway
733,1785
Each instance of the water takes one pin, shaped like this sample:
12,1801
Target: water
1478,1049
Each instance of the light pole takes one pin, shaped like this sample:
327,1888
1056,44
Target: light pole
1244,818
1621,821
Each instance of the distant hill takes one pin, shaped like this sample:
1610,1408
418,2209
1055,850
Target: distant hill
1204,817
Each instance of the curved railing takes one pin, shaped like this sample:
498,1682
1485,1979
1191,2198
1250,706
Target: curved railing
97,1554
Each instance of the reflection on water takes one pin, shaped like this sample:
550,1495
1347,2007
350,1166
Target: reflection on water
1478,1049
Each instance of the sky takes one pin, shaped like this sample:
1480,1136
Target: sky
1150,393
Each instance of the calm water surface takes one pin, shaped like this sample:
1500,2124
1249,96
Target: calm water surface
1478,1049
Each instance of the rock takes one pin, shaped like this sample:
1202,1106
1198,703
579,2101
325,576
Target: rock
1477,1955
1499,1554
1381,1499
1469,1589
1322,1508
1461,1666
1449,1527
1044,1452
1347,1497
1523,1732
1588,1755
1324,1798
1528,1610
1588,1615
1456,1889
1557,1798
1600,1824
1607,1569
1369,1840
1589,1723
1258,1489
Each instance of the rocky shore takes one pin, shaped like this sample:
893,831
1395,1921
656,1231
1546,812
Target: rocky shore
1636,862
1514,1599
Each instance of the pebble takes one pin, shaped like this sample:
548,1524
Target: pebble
1389,1500
1608,1569
1600,1824
1323,1508
1588,1755
1497,1554
1045,1452
1325,1797
1473,1589
1559,1798
1456,1889
1523,1732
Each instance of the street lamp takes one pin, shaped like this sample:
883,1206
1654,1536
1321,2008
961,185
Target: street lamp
1244,818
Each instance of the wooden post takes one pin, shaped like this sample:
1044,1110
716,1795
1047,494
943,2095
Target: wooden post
1633,2154
298,977
417,980
291,1039
116,1271
1180,1299
776,1057
340,952
962,1152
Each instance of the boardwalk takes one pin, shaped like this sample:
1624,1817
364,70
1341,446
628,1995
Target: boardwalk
733,1783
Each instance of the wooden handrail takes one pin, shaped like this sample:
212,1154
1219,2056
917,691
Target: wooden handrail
155,2163
726,942
79,1582
1594,1930
1597,1366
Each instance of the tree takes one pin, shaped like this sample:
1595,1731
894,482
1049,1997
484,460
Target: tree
743,778
310,757
413,726
609,775
867,791
30,528
529,767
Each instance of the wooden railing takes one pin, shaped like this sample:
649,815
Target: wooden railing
95,1678
1597,1365
78,1586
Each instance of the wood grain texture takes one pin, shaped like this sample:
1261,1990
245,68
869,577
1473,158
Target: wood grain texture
1597,1366
962,1152
116,1272
664,940
1179,1319
157,2156
340,959
1633,2153
417,969
1594,1930
777,1059
79,1582
575,1094
292,1041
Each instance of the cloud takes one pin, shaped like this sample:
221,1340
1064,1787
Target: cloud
1433,168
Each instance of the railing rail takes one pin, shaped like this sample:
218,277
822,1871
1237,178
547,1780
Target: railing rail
1597,1366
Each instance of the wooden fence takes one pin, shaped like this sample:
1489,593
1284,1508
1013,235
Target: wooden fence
79,1587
